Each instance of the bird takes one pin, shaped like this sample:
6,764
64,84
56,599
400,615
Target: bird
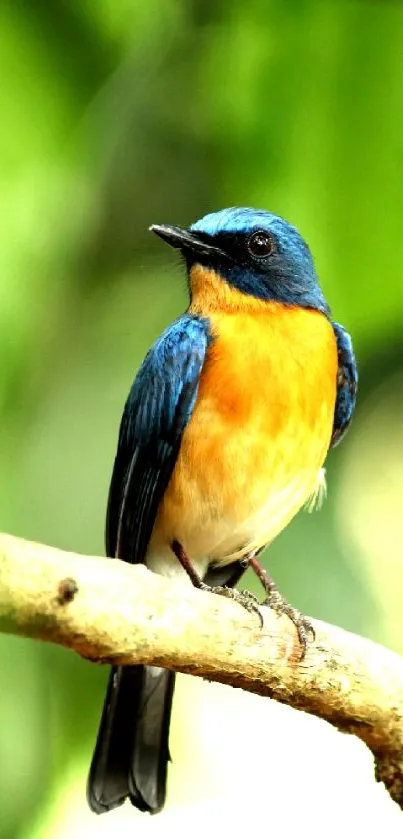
222,441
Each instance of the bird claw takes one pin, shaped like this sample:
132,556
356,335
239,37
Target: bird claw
303,625
245,598
279,604
249,601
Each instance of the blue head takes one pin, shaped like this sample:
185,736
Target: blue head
256,252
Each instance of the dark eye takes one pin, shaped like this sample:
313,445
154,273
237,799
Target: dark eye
260,244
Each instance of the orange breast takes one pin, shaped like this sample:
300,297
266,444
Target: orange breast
252,452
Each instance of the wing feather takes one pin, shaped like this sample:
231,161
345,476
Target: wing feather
347,379
156,413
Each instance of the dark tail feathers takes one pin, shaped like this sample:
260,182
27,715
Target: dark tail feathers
131,754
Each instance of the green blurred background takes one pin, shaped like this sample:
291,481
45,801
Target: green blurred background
119,114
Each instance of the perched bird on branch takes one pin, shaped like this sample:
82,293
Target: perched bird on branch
222,440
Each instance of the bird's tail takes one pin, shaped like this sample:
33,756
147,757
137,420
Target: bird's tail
131,754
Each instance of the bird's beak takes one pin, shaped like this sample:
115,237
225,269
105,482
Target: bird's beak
185,240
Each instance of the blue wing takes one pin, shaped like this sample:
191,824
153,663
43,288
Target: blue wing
156,413
347,378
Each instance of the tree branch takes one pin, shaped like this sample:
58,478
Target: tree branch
112,612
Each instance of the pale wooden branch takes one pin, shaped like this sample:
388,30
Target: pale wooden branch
112,612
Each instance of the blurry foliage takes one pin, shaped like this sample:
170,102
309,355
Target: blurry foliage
116,115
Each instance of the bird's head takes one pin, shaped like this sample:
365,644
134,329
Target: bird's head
251,252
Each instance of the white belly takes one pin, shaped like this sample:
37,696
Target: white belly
223,543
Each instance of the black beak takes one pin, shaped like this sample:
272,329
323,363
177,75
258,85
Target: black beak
185,240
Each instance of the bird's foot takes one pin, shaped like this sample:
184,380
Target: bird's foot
244,598
303,625
279,604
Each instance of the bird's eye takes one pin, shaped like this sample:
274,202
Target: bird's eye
260,244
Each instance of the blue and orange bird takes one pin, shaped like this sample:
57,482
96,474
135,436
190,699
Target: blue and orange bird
222,440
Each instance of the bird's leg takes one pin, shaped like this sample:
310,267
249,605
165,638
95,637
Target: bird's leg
276,601
186,564
244,598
